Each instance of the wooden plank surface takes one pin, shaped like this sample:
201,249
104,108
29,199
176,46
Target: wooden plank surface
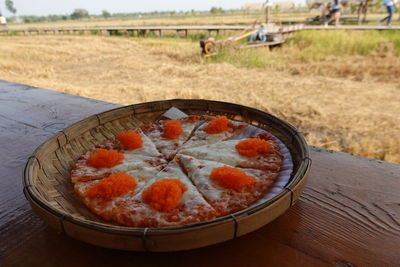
29,116
349,214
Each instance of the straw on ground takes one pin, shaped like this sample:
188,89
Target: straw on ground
348,101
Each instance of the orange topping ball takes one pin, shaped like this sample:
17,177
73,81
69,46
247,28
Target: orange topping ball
172,129
232,178
114,185
253,147
164,195
217,125
130,140
103,158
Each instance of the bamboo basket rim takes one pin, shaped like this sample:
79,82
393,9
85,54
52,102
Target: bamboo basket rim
139,231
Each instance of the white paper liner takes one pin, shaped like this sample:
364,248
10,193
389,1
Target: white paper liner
287,163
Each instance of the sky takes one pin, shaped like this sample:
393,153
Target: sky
62,7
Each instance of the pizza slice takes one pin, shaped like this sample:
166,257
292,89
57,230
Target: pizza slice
100,195
129,151
95,164
227,189
168,200
169,135
261,152
213,130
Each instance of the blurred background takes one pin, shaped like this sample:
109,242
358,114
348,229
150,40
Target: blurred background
338,84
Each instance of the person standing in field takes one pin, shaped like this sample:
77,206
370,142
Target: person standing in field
3,21
334,14
390,6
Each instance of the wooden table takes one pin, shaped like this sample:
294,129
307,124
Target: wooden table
348,215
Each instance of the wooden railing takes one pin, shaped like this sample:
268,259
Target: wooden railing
160,30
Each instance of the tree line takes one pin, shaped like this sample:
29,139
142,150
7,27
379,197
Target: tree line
80,13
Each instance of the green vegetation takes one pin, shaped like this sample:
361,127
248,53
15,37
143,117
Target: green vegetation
10,6
80,14
217,10
106,14
309,46
318,45
249,58
84,14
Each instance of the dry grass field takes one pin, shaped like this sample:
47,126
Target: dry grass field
345,100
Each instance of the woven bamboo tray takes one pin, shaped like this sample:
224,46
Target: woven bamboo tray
48,188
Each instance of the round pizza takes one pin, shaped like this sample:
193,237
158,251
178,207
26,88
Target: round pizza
176,172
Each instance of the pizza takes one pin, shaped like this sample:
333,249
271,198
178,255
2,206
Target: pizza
227,189
176,172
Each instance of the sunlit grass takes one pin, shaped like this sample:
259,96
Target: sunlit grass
309,46
318,45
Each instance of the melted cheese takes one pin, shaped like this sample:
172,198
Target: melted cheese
201,138
224,152
168,147
199,172
148,148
